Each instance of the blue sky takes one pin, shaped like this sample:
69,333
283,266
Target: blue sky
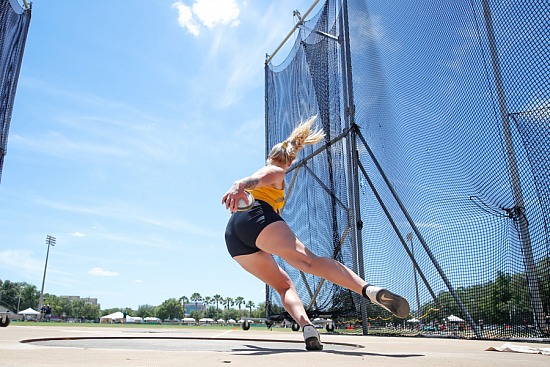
131,120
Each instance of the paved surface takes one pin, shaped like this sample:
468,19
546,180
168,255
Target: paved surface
64,346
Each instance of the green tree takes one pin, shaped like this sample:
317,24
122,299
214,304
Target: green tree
146,311
90,312
195,314
10,293
217,299
260,311
239,301
29,296
196,297
18,296
501,297
228,302
342,301
77,309
169,310
65,306
207,301
250,305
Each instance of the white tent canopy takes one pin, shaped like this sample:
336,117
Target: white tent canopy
112,317
152,320
29,311
116,315
453,318
413,320
133,320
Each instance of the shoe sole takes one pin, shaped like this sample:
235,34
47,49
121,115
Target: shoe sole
394,303
313,343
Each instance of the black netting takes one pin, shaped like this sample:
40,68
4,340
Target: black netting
14,24
446,106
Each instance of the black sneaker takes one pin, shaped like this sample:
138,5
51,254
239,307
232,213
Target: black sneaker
312,339
392,302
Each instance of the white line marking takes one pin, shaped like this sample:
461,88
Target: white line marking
222,334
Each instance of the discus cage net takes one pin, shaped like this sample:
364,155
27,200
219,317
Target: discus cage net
14,26
434,178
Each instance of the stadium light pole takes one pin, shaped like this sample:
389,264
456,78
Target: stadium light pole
19,300
50,241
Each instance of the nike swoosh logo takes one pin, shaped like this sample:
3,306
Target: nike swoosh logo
384,297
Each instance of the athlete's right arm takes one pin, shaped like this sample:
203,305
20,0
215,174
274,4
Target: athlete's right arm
265,176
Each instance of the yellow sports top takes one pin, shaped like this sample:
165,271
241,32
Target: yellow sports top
272,196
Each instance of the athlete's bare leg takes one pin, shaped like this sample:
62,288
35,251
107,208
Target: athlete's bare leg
278,239
263,266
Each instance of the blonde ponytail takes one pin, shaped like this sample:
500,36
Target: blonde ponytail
301,136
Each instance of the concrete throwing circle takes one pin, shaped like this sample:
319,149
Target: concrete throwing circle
189,344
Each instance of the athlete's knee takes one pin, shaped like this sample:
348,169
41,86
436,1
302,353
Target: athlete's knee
283,287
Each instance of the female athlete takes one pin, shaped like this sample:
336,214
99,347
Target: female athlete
253,236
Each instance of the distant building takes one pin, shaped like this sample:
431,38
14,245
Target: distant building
191,306
87,300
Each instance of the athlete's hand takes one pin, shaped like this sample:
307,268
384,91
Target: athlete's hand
232,197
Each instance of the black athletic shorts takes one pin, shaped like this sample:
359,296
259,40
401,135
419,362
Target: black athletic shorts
243,228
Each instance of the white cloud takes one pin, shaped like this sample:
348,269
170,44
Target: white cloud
209,13
213,12
78,234
129,213
185,18
20,260
102,273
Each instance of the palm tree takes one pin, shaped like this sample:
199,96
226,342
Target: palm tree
196,297
207,301
250,304
217,299
228,302
239,301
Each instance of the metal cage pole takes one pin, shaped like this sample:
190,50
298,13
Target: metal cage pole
356,237
14,59
268,58
519,206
